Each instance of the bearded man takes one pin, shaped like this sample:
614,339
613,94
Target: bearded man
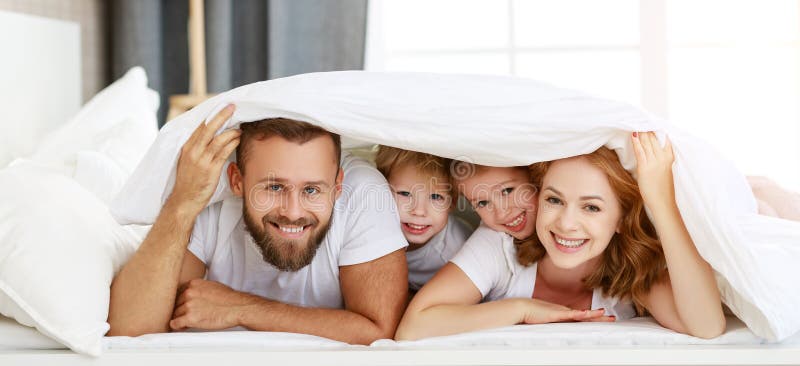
310,243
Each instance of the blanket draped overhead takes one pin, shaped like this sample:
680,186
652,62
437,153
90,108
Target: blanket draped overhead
504,121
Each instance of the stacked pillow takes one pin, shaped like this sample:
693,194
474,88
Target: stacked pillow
59,246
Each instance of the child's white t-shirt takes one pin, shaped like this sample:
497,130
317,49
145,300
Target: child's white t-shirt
365,225
424,262
489,259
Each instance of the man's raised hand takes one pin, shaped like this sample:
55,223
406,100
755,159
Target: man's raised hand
201,161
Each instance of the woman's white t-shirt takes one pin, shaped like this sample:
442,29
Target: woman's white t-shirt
489,259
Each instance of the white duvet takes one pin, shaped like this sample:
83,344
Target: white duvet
509,121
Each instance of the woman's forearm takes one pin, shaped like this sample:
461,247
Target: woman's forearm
695,292
445,319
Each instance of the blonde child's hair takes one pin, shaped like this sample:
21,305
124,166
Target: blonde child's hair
390,159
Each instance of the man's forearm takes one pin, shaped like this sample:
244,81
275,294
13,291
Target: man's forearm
143,293
341,325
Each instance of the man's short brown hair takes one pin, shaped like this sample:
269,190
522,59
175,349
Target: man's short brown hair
391,158
291,130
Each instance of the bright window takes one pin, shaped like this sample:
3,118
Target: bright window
725,70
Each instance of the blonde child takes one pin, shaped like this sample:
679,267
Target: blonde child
425,197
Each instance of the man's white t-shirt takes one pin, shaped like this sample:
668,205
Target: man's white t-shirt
489,259
365,225
424,262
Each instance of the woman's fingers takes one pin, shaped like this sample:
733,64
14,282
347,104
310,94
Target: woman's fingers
648,145
588,314
638,149
646,148
569,315
601,319
668,153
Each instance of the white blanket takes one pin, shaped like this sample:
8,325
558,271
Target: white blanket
504,122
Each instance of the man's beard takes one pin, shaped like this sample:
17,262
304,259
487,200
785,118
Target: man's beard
285,254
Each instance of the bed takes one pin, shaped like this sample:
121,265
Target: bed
637,341
634,342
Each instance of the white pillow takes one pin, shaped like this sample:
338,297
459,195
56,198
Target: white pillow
59,250
59,247
99,174
14,336
119,123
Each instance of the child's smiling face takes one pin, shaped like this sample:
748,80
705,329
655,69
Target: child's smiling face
423,202
504,199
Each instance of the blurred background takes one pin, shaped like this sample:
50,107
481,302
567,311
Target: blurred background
725,70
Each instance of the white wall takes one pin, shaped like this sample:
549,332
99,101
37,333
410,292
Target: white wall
40,79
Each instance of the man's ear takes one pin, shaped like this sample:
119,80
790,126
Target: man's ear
338,187
235,179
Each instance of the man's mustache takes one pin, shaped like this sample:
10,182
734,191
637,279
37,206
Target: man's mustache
285,221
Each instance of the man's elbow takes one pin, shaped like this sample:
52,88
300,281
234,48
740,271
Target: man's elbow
385,331
127,329
376,330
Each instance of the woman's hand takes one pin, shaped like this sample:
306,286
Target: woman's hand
201,161
540,312
654,168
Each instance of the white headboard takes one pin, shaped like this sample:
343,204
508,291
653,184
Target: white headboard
40,79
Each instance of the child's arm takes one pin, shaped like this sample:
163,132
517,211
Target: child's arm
687,300
450,303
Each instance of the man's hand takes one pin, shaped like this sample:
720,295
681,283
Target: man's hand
209,305
201,161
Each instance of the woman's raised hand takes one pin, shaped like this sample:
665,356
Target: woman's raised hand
654,168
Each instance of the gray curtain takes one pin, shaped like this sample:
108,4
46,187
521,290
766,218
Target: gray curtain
246,40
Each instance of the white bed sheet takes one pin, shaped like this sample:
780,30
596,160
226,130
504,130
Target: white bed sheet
15,336
636,341
634,332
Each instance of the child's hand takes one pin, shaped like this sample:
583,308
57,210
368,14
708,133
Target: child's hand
654,168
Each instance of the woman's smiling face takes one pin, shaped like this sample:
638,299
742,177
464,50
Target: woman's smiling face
504,199
578,213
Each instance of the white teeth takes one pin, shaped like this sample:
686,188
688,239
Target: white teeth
570,243
416,227
292,230
516,221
